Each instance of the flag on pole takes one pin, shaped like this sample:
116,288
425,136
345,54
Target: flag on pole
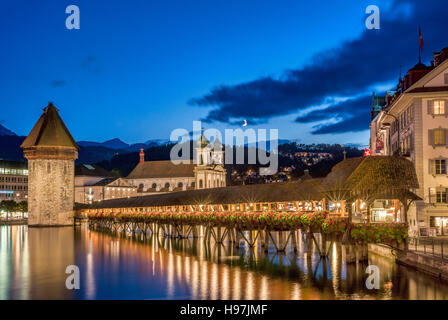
421,38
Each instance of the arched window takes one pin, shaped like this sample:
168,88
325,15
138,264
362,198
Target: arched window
200,183
180,185
154,185
192,184
141,186
167,185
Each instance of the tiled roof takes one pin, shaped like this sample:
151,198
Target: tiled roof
385,177
107,181
274,192
49,131
161,169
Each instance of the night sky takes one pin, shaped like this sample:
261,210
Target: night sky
139,69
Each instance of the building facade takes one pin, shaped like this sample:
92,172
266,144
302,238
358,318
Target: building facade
13,180
414,124
93,183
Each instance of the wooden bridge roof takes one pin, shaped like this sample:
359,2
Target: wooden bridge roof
382,177
387,176
279,192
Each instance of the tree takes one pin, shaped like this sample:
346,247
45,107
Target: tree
8,206
22,207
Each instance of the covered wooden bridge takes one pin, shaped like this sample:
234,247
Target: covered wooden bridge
271,212
352,186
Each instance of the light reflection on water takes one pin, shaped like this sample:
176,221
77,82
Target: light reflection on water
33,263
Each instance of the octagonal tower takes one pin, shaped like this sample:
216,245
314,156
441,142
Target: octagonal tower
51,152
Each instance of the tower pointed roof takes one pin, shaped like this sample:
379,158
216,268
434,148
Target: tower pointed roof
202,142
217,145
49,131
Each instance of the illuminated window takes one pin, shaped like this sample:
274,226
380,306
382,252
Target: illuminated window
439,107
439,136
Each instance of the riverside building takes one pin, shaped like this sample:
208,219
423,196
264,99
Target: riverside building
413,123
13,180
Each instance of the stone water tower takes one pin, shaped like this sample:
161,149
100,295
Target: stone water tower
51,152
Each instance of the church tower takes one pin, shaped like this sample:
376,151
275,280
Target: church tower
203,151
51,152
209,171
217,152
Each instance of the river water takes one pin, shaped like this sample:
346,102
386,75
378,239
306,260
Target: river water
33,264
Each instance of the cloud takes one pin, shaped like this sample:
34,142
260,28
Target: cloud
58,83
350,115
91,64
351,69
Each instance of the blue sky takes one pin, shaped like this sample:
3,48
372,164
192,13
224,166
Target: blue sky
139,69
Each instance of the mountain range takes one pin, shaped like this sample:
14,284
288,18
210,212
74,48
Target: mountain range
90,152
94,152
6,132
117,144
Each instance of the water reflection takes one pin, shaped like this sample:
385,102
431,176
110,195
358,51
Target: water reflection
116,266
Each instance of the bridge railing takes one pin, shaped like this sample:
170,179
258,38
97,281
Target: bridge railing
432,246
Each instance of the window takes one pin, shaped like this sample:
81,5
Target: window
438,166
437,137
180,185
446,78
167,185
200,183
154,186
436,107
439,107
438,195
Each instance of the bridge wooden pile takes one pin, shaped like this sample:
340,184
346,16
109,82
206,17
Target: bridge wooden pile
221,230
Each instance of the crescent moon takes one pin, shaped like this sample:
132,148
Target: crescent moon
245,123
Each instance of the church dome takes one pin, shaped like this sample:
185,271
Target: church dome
202,141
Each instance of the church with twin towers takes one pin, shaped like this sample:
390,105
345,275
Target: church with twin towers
206,171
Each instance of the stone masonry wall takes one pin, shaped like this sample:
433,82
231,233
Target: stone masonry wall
51,192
